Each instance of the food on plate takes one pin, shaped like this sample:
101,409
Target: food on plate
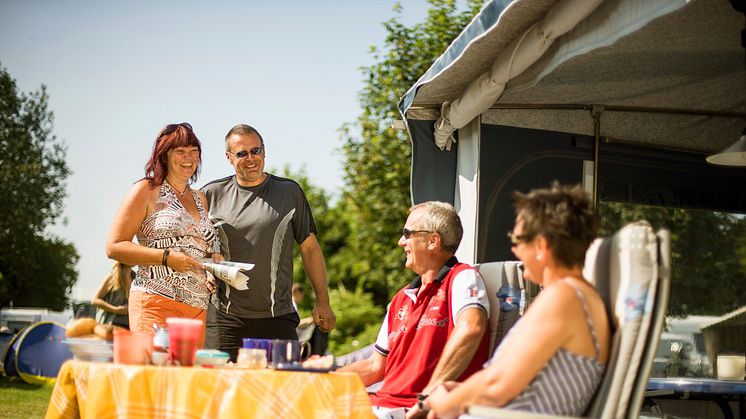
319,362
105,331
80,327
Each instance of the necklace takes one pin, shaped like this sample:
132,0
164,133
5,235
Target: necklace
181,193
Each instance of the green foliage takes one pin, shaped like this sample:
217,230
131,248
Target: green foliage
359,232
33,172
360,323
378,158
708,269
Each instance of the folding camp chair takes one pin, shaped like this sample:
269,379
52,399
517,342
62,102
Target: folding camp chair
631,271
508,294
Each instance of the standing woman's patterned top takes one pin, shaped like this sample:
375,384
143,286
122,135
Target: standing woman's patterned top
170,226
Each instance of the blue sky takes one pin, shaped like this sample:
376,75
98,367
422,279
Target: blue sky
116,72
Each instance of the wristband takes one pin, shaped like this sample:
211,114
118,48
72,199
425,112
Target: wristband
164,259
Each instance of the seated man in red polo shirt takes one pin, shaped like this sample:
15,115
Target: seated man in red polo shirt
435,328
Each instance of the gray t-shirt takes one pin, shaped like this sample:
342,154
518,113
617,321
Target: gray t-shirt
258,225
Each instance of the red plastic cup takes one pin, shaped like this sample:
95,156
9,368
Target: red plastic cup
183,339
134,348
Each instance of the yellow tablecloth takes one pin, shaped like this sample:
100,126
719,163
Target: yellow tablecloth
96,390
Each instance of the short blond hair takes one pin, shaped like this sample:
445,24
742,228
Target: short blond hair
442,218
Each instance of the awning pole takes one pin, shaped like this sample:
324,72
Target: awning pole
596,114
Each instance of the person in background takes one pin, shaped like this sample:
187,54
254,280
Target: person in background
435,328
561,345
111,297
259,217
173,233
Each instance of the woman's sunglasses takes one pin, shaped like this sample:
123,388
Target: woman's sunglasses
170,128
516,239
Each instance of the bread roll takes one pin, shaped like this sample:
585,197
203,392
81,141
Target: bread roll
105,331
80,327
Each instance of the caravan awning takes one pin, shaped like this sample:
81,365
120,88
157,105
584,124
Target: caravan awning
668,73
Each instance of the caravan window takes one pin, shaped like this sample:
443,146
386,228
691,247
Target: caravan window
708,278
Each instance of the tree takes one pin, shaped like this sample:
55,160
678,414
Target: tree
377,157
708,271
33,172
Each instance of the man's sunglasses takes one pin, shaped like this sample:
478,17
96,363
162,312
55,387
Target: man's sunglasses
407,233
171,128
243,153
516,239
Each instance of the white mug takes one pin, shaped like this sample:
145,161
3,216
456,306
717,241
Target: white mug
731,367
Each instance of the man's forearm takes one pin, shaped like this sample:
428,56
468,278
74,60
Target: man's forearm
313,264
460,348
367,369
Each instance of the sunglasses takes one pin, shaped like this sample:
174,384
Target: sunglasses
407,233
170,128
516,239
243,153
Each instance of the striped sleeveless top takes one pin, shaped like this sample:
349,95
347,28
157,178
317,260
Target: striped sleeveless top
566,385
170,226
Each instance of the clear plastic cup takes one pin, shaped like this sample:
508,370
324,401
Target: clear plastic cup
183,339
257,343
252,358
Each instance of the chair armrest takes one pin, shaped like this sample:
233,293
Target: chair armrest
496,412
373,388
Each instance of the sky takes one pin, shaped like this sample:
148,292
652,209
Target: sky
116,72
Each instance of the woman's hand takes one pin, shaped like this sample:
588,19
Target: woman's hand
181,262
217,257
436,401
416,413
121,310
210,282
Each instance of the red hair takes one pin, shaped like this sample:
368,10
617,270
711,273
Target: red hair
171,136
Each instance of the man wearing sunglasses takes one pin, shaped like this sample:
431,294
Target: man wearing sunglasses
259,216
435,328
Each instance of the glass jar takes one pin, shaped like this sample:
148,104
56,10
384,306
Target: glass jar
252,358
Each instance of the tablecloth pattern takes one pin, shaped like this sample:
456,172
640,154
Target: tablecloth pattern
102,390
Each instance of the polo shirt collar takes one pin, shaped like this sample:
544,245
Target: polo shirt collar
417,283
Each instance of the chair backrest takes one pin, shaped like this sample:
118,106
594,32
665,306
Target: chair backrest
631,271
508,294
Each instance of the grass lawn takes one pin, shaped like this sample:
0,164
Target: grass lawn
20,400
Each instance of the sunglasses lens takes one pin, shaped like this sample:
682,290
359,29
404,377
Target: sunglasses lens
243,153
406,233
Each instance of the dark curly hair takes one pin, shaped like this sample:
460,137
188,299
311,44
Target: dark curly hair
564,215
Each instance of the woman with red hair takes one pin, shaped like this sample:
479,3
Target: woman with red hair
173,233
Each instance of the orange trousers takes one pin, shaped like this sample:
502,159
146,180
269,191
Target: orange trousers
148,309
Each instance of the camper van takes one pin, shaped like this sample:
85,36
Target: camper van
681,351
16,319
640,102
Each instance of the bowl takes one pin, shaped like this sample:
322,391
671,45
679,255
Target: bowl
91,350
160,358
211,358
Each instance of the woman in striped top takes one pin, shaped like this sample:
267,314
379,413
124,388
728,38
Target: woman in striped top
553,359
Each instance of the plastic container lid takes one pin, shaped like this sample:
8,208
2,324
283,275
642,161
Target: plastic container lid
212,354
